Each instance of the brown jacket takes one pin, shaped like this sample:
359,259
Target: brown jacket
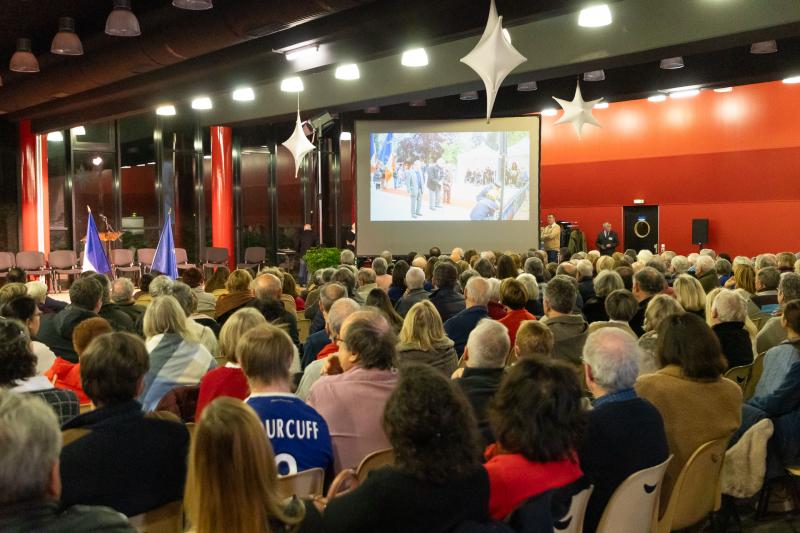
551,237
694,412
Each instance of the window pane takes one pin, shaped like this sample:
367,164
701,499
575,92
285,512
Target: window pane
140,218
179,182
60,229
254,217
98,133
92,185
9,211
177,133
290,198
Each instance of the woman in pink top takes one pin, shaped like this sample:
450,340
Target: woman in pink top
360,380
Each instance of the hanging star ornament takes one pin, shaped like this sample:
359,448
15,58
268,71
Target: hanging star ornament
298,144
578,111
493,58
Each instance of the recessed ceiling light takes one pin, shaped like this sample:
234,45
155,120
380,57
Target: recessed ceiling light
78,130
347,72
527,86
764,47
372,110
792,80
292,85
549,112
468,96
601,105
306,52
684,94
206,157
55,136
202,103
97,161
657,98
244,94
416,57
594,75
724,90
417,103
595,16
671,63
166,110
682,89
345,136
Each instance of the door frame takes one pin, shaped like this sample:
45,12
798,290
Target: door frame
658,220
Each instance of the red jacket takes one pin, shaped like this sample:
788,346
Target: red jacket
223,381
327,350
496,310
513,319
67,376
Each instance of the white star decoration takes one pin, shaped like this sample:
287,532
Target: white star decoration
298,144
493,58
578,111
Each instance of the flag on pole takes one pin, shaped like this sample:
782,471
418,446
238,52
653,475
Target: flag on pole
164,260
94,256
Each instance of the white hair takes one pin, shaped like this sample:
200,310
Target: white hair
585,268
488,345
161,286
705,263
478,289
742,260
606,282
729,307
415,278
347,257
340,310
693,258
680,264
37,290
709,252
494,290
644,256
121,290
613,357
531,285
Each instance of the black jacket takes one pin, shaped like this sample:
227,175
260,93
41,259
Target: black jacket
127,461
118,319
404,304
448,302
586,288
135,312
480,385
307,239
276,314
45,516
594,310
601,241
622,437
56,330
736,344
637,322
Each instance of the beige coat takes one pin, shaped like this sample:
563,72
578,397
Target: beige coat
551,237
694,412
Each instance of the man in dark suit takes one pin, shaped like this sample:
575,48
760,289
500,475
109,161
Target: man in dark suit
607,240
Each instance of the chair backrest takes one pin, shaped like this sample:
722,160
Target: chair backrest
302,484
216,255
63,259
740,375
374,461
165,519
255,254
121,257
146,255
757,368
697,490
30,260
633,508
7,260
572,522
180,256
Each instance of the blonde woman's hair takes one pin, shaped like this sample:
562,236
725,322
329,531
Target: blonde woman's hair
237,325
232,479
165,315
659,308
239,281
690,293
266,353
422,326
710,297
604,262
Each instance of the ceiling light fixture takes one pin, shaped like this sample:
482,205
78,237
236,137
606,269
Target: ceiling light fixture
595,16
244,94
527,86
594,75
23,59
55,136
468,96
724,90
416,57
97,161
764,47
657,98
122,22
601,105
166,110
671,63
549,112
345,136
66,42
306,52
372,110
292,85
417,103
193,5
347,72
78,130
684,94
202,103
792,80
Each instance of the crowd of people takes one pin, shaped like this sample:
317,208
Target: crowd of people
493,377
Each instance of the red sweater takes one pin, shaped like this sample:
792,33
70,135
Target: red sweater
67,376
513,479
513,319
223,381
496,310
327,350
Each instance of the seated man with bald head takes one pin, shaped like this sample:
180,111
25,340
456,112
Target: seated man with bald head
359,381
476,297
268,289
319,337
415,280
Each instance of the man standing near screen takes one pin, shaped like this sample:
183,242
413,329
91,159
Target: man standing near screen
414,185
435,178
551,238
607,240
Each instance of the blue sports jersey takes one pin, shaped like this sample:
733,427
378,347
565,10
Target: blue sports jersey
299,435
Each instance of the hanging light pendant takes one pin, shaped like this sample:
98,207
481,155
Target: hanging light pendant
66,42
193,5
122,22
23,59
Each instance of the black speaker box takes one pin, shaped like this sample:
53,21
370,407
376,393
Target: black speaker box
699,231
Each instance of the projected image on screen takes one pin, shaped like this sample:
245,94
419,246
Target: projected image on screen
458,176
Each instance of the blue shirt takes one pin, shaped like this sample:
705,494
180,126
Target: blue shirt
298,434
459,326
619,396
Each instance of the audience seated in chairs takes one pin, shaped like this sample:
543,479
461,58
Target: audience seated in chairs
267,289
569,330
232,479
534,303
66,375
437,481
414,280
238,295
398,285
728,315
514,297
229,380
534,339
38,291
30,481
624,433
476,297
359,381
188,302
118,319
86,297
24,309
378,299
382,279
690,294
318,338
422,340
122,298
647,283
537,419
215,284
137,462
620,307
447,300
696,403
176,356
658,309
142,297
606,282
206,303
298,434
772,333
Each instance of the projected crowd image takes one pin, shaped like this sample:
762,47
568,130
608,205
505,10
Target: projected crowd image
456,176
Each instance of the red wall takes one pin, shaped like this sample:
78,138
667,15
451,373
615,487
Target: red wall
733,158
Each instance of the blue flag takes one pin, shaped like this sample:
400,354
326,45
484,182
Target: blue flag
164,260
94,256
